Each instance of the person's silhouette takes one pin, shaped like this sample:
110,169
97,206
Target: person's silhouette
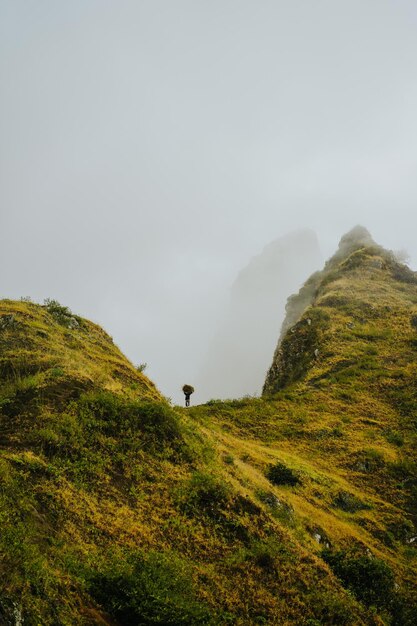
188,390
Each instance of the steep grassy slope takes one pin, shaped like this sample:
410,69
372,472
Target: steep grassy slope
41,346
339,414
294,508
115,509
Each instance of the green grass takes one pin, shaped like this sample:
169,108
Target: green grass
294,508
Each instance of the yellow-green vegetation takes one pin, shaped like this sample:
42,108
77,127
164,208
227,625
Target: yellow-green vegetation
297,508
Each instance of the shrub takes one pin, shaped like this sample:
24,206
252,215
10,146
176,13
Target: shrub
152,589
369,460
370,579
102,432
395,437
115,416
264,553
404,608
280,474
279,509
349,502
62,314
227,514
61,436
204,492
328,608
157,421
214,402
401,529
8,321
405,471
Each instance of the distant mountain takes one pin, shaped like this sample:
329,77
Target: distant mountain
240,353
297,508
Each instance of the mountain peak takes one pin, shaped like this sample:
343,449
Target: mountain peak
359,285
357,236
355,239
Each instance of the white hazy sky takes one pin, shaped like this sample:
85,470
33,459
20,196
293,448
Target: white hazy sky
149,149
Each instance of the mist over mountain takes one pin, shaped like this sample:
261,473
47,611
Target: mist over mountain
240,352
294,508
150,149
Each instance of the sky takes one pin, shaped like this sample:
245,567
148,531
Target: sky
150,149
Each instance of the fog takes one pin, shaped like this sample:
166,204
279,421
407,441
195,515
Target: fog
241,352
150,149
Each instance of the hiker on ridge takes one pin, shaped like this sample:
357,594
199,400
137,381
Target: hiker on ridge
188,390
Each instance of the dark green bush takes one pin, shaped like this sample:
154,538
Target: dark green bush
395,437
63,436
349,502
152,424
204,492
405,469
401,528
62,314
370,579
268,554
214,402
328,608
102,432
280,510
265,552
155,588
404,607
280,474
369,460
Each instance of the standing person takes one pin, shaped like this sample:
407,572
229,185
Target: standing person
188,390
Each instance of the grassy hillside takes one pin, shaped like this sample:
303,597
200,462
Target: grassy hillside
295,508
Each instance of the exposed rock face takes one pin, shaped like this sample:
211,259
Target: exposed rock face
240,353
370,269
